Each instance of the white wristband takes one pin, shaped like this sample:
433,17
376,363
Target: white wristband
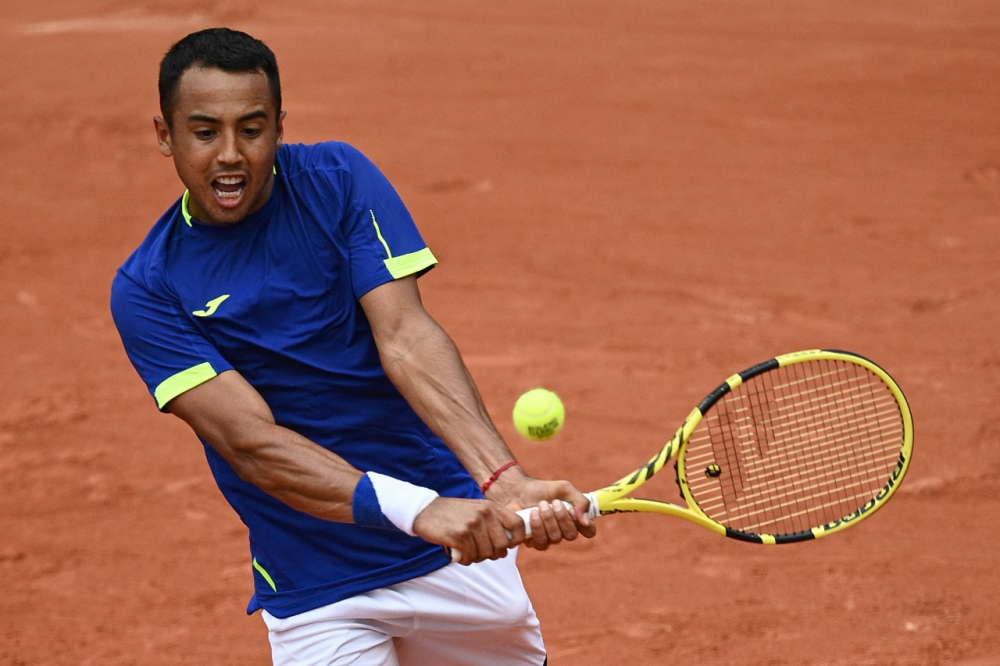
401,502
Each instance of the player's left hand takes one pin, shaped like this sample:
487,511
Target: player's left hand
552,521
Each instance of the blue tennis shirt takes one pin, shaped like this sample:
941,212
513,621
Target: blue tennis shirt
275,297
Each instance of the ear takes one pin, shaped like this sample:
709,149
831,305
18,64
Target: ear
163,136
281,128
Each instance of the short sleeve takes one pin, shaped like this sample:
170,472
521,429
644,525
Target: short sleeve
163,344
382,237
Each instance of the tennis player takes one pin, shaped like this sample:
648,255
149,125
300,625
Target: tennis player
274,308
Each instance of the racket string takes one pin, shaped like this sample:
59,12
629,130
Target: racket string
799,446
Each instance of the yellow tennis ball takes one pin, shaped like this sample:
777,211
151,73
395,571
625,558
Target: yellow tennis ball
539,414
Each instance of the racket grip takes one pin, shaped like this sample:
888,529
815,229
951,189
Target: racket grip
525,514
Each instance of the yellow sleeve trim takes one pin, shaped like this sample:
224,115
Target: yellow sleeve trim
408,264
183,381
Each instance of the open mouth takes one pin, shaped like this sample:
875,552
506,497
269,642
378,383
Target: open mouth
229,189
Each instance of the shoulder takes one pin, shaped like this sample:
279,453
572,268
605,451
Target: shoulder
144,267
334,160
326,155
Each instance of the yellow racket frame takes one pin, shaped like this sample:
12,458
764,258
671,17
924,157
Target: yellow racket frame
615,498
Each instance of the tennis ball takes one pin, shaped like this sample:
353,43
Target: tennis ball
539,414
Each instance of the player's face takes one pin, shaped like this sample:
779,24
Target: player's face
225,134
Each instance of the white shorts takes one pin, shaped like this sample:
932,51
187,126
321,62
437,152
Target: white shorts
478,615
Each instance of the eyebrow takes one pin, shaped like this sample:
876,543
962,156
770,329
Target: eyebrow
201,117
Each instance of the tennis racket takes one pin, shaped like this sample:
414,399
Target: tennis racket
795,448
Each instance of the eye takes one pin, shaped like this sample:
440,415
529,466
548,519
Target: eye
204,134
252,132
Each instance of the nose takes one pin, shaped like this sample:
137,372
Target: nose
229,150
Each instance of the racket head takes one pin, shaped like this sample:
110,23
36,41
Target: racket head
795,448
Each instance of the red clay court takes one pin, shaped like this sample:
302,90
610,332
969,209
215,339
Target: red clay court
630,201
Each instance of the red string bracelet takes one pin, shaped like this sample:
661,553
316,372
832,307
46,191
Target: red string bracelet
496,475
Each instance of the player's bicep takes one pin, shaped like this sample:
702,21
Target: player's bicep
227,412
397,315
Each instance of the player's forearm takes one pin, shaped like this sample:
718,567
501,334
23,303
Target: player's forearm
296,471
427,368
234,419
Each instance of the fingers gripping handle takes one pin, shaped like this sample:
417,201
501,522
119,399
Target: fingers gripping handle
593,511
525,514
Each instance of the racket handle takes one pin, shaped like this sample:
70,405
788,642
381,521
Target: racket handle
526,517
525,514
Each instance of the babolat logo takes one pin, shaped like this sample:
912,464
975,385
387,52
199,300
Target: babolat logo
545,430
875,501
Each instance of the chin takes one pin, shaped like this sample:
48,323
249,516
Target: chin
216,214
231,216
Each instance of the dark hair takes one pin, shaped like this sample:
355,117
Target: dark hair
228,50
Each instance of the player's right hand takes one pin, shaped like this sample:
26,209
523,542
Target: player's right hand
477,529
